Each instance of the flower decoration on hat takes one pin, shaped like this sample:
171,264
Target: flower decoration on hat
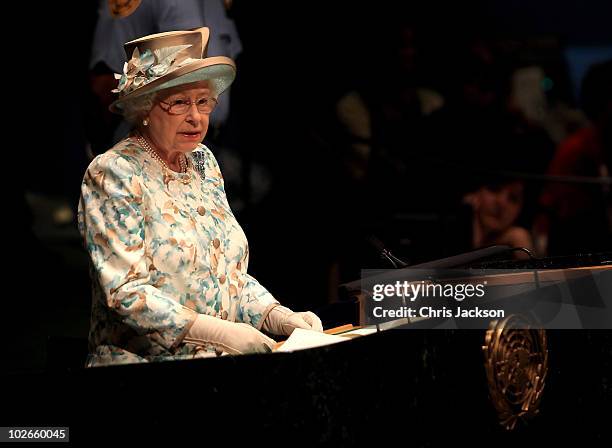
144,68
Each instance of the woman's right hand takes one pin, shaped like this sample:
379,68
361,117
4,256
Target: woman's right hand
231,337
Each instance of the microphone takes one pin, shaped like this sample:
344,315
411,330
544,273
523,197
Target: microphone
386,253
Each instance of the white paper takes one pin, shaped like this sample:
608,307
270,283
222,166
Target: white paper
301,339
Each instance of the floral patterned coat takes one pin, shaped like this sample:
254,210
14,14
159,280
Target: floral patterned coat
161,252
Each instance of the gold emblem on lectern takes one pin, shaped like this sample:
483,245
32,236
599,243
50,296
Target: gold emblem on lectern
516,362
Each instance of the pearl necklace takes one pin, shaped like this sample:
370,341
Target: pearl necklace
183,161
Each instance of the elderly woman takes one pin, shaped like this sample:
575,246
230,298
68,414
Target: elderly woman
169,260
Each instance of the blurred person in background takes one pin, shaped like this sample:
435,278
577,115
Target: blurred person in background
497,206
575,212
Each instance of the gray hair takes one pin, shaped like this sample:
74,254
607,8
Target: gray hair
138,108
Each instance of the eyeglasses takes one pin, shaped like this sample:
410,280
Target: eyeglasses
180,107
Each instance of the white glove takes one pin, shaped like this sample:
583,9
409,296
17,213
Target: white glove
231,337
282,321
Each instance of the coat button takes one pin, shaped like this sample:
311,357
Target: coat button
201,210
216,243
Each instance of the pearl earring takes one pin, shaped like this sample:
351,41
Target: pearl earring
145,122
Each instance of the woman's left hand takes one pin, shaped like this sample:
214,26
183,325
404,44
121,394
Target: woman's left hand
282,321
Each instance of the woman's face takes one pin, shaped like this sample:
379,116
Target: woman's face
171,132
499,207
